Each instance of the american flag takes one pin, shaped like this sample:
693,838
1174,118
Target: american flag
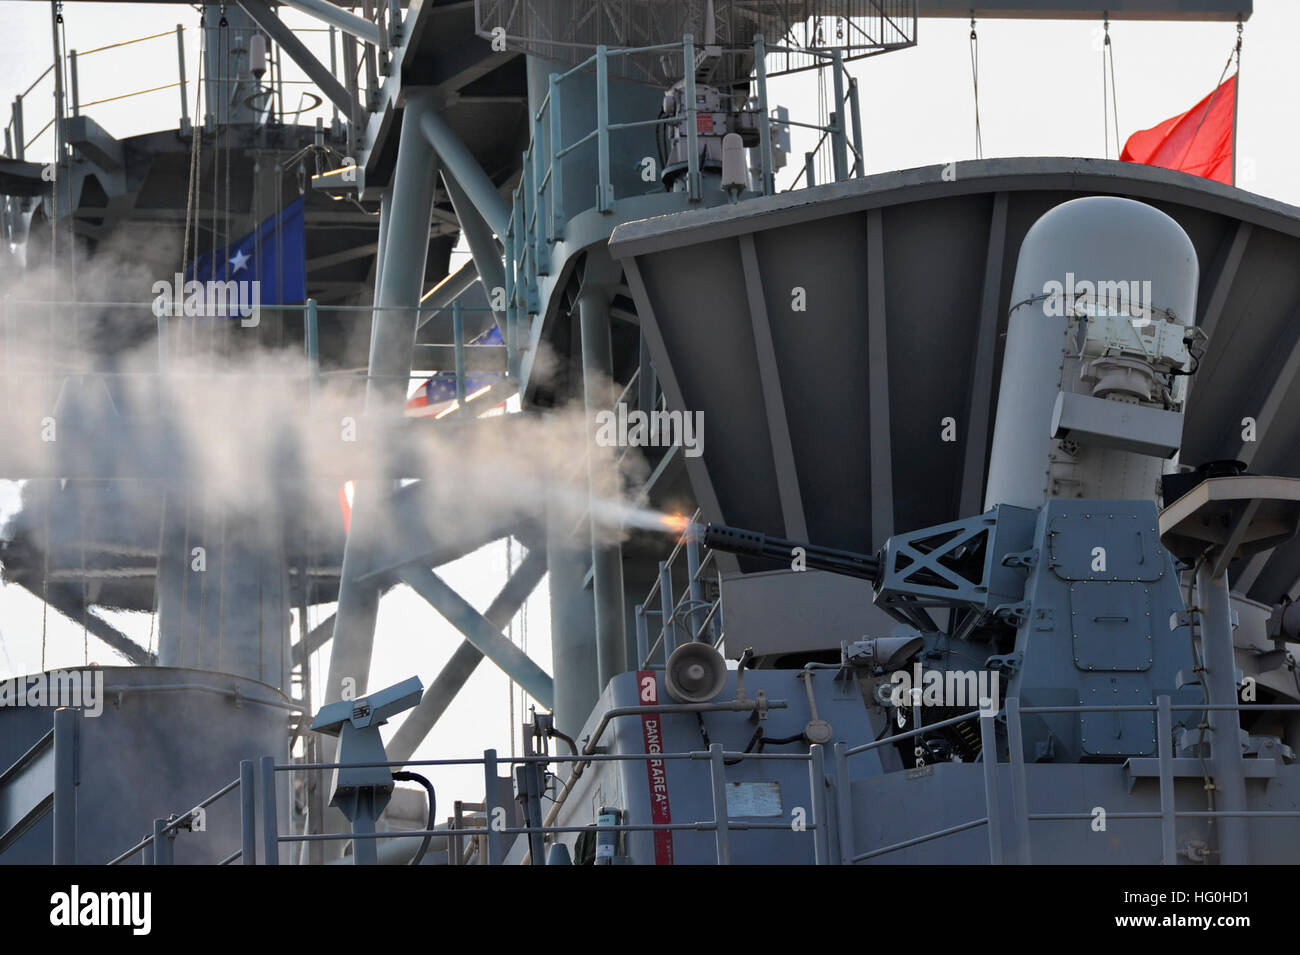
435,398
437,395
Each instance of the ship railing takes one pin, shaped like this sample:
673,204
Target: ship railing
480,837
169,340
17,142
42,782
1168,813
1019,837
484,840
373,59
691,613
833,138
539,216
158,848
992,815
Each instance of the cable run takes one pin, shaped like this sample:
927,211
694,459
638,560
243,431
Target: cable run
975,83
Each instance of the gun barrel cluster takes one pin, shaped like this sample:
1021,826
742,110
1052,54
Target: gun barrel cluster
736,540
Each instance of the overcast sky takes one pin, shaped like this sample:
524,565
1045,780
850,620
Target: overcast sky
1040,95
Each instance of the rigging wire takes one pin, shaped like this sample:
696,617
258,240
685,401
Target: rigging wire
61,63
191,201
1236,100
1235,54
85,597
72,222
195,147
220,131
1109,93
45,575
56,9
975,83
187,554
222,119
162,526
510,635
226,267
523,639
221,603
823,120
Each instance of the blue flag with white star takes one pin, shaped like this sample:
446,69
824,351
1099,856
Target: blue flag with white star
274,254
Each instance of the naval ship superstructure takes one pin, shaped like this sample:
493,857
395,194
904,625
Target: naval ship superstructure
975,541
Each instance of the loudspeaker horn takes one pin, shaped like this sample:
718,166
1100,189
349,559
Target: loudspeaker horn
696,673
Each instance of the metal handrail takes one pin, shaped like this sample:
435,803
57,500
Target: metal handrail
113,99
169,827
382,13
855,145
276,306
310,310
73,56
721,824
918,840
685,604
538,204
139,39
1167,813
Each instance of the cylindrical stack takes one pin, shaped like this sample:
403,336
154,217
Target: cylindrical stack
1085,262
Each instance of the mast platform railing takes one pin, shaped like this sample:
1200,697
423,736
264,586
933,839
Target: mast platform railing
362,59
476,837
539,214
181,335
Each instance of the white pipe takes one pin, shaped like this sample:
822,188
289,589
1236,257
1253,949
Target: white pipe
350,23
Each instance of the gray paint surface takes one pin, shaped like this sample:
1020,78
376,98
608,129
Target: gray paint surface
940,276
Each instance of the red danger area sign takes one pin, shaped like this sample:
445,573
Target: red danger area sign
656,769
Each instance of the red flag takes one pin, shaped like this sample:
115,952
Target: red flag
1200,141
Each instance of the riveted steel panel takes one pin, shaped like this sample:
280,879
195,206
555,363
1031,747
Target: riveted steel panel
1110,624
1105,546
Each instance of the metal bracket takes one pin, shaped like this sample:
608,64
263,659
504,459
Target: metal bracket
741,665
1016,614
1008,663
1024,560
1268,747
